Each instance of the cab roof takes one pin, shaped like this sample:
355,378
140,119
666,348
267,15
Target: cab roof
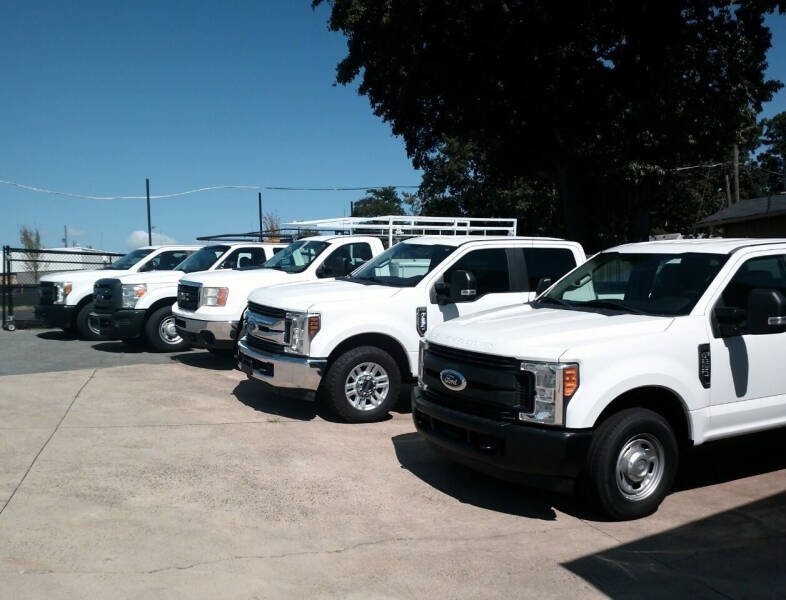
458,240
705,245
332,238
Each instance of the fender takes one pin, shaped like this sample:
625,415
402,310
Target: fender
154,295
349,326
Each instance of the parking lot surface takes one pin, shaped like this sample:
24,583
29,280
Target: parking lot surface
173,476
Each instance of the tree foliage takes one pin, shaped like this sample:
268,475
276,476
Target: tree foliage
571,116
380,201
31,242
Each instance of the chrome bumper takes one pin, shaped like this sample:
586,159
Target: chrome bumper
279,370
221,330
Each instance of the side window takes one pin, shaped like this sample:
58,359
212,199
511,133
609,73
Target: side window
490,268
547,262
763,272
168,260
354,254
243,257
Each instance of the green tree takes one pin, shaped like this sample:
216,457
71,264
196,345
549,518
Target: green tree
597,101
31,242
772,161
378,202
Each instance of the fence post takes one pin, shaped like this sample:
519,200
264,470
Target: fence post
5,283
9,323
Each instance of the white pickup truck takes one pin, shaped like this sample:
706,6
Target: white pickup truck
639,353
137,307
66,299
357,337
210,306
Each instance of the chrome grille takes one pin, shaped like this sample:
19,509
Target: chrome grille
267,325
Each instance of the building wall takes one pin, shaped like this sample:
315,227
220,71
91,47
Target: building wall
759,228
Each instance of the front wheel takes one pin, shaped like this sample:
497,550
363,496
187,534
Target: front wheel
161,333
632,463
87,327
363,384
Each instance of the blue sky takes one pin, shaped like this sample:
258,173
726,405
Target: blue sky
96,96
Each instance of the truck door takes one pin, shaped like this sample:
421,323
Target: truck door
497,283
748,374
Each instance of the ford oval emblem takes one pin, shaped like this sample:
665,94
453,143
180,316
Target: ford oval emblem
453,380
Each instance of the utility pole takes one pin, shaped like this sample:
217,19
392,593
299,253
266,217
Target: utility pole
149,228
728,191
260,217
736,173
65,236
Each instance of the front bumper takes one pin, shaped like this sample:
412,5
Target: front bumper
123,324
279,370
213,334
540,456
55,315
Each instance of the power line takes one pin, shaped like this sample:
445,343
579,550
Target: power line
699,167
32,188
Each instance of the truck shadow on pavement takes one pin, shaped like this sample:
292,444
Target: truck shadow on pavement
710,464
57,334
270,401
205,360
737,553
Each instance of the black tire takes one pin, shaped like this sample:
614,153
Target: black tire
339,373
649,443
157,338
83,327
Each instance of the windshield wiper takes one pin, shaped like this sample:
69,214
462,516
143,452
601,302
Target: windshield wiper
551,300
613,305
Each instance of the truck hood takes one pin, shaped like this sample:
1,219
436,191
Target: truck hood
152,277
83,276
541,334
304,296
250,279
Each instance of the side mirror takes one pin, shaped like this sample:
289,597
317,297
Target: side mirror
766,311
730,320
442,292
337,267
463,287
146,267
543,284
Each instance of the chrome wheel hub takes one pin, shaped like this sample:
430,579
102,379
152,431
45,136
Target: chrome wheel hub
168,332
366,386
640,466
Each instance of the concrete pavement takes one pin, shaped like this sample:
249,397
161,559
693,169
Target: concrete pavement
176,480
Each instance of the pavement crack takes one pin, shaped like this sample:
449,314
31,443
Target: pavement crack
46,443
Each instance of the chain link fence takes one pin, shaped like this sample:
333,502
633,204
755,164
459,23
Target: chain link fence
22,270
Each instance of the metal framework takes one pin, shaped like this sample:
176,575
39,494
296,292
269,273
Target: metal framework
405,226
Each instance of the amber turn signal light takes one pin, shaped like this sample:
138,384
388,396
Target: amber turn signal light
570,381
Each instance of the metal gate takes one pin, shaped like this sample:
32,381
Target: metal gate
22,269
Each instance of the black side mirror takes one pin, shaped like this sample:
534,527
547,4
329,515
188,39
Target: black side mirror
463,286
544,283
766,312
442,292
730,320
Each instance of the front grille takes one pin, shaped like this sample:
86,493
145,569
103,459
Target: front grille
187,296
496,387
264,345
107,295
47,293
487,360
267,311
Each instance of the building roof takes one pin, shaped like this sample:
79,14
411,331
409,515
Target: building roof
706,245
747,210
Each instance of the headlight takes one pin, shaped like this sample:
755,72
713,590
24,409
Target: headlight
63,289
302,328
421,357
214,296
131,292
554,385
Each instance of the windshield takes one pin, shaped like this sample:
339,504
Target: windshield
653,284
202,259
403,265
296,257
129,260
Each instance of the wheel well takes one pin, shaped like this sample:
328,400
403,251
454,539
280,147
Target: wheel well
380,340
79,306
657,399
158,304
